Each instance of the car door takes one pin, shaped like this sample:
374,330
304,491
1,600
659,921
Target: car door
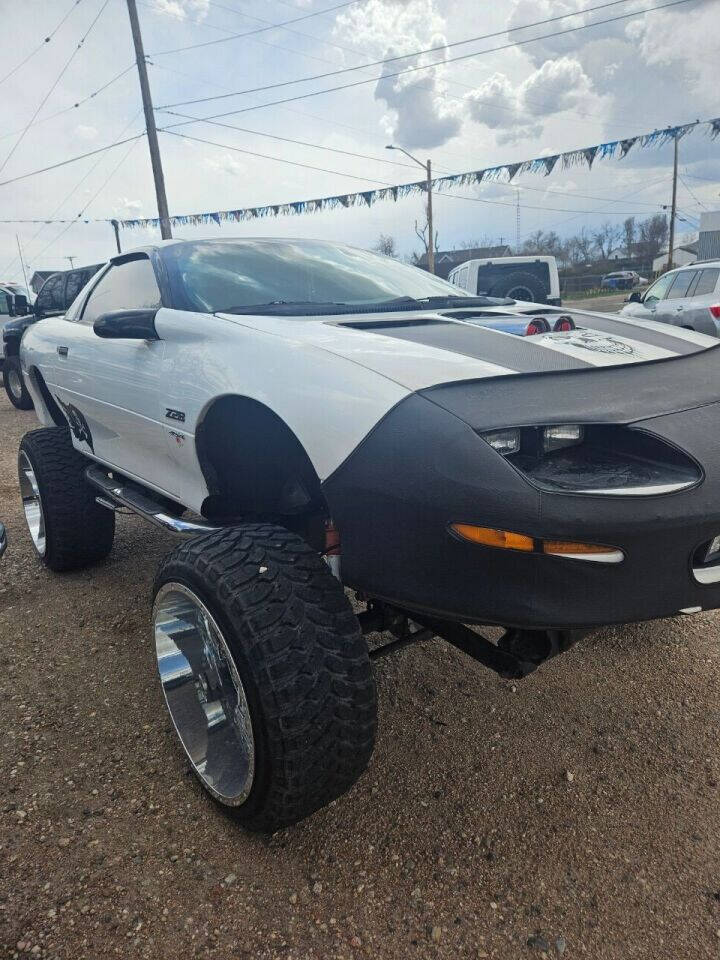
646,308
701,296
672,308
110,389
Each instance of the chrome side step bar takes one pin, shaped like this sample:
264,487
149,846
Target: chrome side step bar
115,492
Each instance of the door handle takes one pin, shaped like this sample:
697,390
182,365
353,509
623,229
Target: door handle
62,351
678,309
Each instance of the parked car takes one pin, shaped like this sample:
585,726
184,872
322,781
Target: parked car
311,417
54,297
533,279
687,297
622,280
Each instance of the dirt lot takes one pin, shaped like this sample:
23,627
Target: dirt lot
611,303
575,813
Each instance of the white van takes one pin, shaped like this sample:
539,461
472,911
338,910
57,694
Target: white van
522,278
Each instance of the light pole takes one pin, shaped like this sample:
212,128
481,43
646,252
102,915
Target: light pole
428,171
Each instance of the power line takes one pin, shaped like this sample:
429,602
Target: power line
54,85
63,163
387,76
437,49
250,33
40,46
73,106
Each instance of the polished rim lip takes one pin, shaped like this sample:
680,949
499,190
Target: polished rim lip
239,799
30,493
15,382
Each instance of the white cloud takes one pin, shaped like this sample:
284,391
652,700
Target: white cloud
83,132
224,163
183,9
517,112
419,114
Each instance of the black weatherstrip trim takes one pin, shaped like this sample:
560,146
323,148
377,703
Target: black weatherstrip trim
504,349
655,338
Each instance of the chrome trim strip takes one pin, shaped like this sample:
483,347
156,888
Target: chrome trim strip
612,556
646,491
707,574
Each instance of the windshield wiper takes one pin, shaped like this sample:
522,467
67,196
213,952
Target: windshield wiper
284,308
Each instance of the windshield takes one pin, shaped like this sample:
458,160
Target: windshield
216,275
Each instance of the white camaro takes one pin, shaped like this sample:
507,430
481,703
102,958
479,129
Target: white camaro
455,460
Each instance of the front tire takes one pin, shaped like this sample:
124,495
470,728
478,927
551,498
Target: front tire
265,673
15,385
68,528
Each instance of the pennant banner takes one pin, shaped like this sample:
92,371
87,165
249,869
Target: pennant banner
504,173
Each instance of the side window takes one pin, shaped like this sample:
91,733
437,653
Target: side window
51,298
659,289
4,308
680,285
706,283
126,286
73,285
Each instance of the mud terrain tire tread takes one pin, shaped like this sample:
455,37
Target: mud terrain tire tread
302,659
78,531
23,401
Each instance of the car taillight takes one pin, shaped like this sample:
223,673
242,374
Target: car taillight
715,311
564,325
537,325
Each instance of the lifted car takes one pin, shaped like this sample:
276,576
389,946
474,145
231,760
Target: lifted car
310,417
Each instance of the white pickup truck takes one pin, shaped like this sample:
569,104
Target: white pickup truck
308,417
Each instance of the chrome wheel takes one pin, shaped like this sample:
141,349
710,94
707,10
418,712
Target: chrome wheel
204,694
32,504
15,382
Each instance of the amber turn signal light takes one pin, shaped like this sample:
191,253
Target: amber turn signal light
494,538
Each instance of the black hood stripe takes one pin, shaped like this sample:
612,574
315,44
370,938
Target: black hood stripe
503,349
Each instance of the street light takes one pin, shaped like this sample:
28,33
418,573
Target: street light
428,171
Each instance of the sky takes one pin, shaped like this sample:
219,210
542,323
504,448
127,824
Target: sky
557,93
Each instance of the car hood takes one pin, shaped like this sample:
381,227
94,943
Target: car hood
422,348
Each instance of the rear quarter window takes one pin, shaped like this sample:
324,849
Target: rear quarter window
707,282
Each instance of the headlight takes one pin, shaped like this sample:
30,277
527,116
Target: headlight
600,459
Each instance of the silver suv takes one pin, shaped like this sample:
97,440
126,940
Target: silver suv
686,297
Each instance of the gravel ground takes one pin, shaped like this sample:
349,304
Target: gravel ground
573,813
610,303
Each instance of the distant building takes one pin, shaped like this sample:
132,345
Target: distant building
685,253
709,240
39,278
446,260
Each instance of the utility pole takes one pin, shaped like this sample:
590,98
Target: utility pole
517,221
673,208
116,228
22,262
150,128
427,167
431,239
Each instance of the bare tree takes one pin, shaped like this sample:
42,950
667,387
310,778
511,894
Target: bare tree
653,235
423,235
606,239
629,234
386,246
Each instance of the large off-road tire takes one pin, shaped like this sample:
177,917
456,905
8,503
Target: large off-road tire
15,385
265,672
520,286
68,528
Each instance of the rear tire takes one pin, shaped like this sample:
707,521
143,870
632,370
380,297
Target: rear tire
68,528
15,385
520,286
250,622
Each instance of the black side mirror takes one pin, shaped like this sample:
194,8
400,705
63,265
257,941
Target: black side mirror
634,298
18,305
127,325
